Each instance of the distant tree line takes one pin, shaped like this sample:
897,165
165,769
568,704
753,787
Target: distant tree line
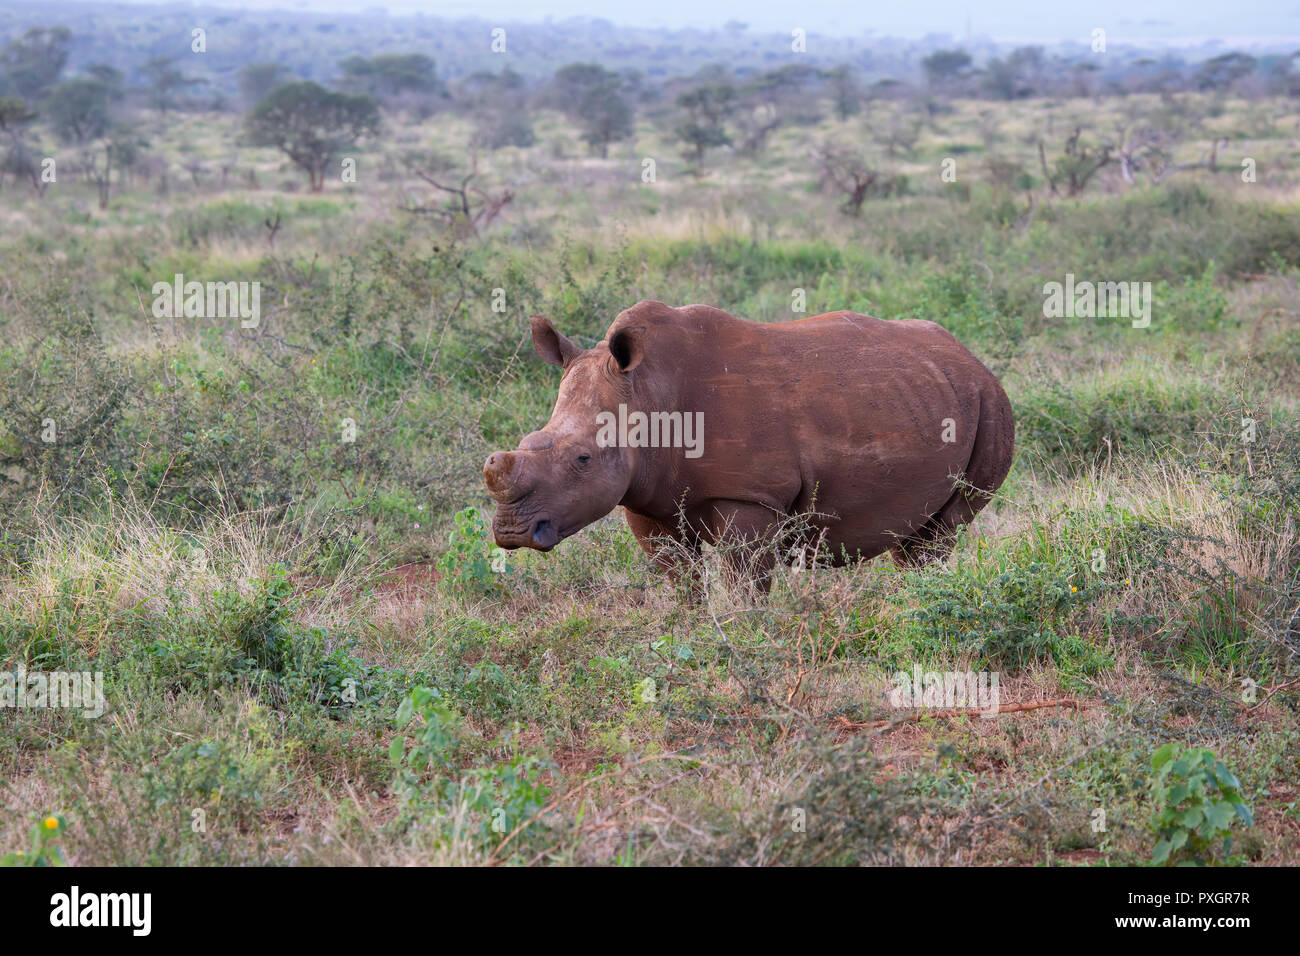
102,115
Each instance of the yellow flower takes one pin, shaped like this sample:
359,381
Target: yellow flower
1073,589
51,823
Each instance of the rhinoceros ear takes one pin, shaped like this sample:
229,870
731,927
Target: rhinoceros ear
626,345
553,347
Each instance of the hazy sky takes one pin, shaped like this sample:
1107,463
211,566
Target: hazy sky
1042,20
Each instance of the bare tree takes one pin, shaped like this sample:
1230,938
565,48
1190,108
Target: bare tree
21,162
1151,149
117,150
196,168
468,207
846,171
901,132
771,100
18,160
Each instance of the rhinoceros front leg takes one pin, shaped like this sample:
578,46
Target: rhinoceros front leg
658,539
745,533
671,550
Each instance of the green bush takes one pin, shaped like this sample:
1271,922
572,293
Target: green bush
482,805
1197,304
472,561
1008,619
1197,800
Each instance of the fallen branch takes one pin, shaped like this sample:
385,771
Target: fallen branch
849,726
1280,687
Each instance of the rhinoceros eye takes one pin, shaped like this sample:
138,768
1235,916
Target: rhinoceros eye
584,458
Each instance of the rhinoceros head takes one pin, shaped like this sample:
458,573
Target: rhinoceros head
559,479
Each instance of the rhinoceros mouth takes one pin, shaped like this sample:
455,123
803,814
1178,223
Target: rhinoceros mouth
540,534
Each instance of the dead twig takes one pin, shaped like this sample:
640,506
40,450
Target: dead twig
1280,687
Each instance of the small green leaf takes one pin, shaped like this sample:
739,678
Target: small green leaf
1220,814
1163,755
404,712
1161,853
1191,817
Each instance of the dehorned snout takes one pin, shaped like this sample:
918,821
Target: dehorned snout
507,473
500,473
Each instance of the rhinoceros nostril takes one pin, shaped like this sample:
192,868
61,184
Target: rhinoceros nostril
544,535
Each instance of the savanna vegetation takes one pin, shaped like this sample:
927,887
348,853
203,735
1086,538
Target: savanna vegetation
272,540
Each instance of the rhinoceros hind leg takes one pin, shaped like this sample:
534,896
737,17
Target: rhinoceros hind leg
990,461
933,541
